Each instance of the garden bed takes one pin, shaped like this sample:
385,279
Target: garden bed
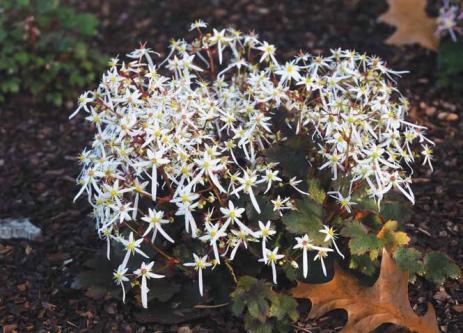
39,146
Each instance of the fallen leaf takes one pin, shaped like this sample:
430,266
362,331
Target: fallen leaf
412,23
368,307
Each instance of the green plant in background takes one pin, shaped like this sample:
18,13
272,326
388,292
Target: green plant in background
45,50
450,51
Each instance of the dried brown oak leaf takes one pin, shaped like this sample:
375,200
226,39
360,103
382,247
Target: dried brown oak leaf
412,23
368,307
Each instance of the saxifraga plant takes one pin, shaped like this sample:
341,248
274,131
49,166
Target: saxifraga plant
220,158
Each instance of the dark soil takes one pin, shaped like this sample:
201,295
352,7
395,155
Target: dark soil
38,147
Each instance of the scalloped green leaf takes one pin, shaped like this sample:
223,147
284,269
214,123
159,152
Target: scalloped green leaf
438,267
409,260
308,219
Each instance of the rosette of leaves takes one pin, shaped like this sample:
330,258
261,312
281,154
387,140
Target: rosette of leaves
263,309
46,50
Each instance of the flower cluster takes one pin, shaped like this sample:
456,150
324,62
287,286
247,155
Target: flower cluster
450,19
182,140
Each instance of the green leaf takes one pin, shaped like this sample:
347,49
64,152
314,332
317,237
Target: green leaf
266,210
80,50
317,193
364,264
238,306
259,308
307,220
396,209
246,282
450,57
438,267
409,260
263,308
365,203
61,58
450,63
23,3
21,57
87,24
255,326
361,242
293,162
284,305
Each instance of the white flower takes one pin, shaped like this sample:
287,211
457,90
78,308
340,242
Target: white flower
305,244
106,233
233,215
271,258
197,25
145,272
209,166
84,100
427,153
280,205
268,51
330,236
199,264
122,211
334,162
132,247
119,278
185,202
156,220
218,37
345,202
241,238
248,181
293,182
322,253
265,232
288,72
213,233
155,160
270,177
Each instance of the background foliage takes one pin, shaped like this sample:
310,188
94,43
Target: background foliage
46,50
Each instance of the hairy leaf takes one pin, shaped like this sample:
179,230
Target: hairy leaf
409,260
438,267
361,242
307,219
316,191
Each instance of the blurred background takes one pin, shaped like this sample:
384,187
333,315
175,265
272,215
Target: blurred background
52,51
